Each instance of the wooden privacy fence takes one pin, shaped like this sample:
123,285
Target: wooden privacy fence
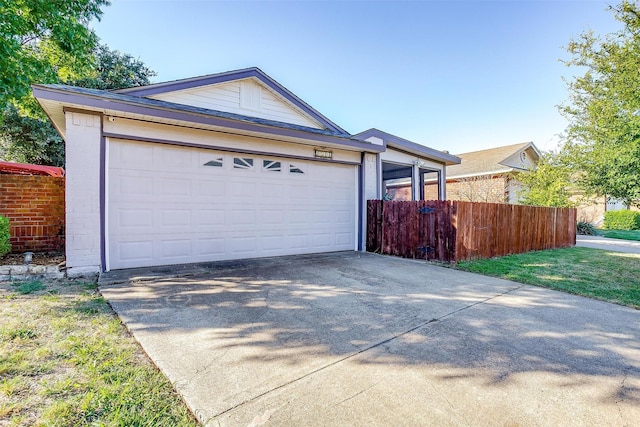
454,231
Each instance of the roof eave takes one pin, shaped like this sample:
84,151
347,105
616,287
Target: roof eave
102,105
410,146
483,173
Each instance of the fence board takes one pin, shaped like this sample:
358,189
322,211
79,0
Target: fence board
457,231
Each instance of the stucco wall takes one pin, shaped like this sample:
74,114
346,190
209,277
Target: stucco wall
83,193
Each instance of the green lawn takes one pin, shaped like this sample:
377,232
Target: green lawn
606,275
66,360
620,234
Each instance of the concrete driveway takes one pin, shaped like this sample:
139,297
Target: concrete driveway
362,339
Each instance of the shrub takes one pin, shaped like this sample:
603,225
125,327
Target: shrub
5,245
585,228
622,220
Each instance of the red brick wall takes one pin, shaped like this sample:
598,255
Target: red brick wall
35,207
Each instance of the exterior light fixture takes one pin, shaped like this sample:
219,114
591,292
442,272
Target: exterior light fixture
28,256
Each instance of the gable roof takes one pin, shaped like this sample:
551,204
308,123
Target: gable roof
252,72
54,98
410,147
496,160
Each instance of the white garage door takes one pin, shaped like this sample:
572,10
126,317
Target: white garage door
171,205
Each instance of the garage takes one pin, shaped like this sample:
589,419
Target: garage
172,205
218,167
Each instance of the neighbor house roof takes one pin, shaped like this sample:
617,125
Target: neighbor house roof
29,169
496,160
387,139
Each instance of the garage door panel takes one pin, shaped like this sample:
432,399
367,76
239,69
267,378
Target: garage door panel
133,157
211,247
321,241
135,219
209,188
272,217
208,218
176,210
133,253
175,248
271,190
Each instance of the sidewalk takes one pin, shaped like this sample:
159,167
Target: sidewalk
598,242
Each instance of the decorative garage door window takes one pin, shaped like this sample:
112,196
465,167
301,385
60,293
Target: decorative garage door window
242,163
215,162
271,166
295,169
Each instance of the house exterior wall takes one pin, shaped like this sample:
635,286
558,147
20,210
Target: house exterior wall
35,208
83,193
83,141
127,128
370,184
244,97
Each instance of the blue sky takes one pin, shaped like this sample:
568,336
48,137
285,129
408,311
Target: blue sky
454,75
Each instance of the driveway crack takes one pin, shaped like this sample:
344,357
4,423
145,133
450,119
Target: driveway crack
621,393
359,352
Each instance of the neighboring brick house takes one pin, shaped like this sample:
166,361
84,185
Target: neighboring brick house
491,175
482,176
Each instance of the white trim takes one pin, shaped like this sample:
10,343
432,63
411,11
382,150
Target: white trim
107,258
358,214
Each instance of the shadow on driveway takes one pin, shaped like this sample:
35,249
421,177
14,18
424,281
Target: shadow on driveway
362,339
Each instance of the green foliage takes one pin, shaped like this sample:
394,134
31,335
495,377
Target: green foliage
28,138
549,184
5,244
585,228
603,138
114,70
28,287
621,234
622,220
43,41
580,271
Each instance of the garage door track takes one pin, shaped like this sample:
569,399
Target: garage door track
361,339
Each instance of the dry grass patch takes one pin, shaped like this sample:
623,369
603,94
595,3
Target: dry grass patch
66,360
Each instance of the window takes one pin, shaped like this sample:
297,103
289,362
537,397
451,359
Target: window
271,166
396,181
242,163
429,184
295,169
215,162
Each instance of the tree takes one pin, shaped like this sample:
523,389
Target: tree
114,70
32,139
43,41
27,139
548,184
603,138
